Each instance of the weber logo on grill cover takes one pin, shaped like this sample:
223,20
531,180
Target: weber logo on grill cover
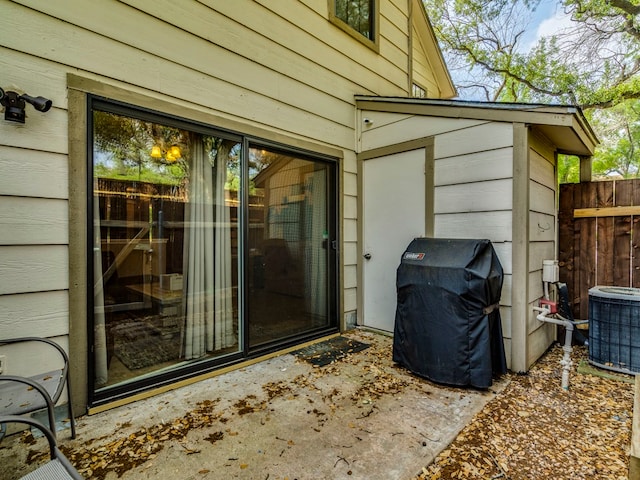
413,256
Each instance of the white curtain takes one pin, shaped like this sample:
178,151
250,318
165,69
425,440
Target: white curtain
224,335
317,245
208,290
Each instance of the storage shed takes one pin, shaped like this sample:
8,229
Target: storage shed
457,169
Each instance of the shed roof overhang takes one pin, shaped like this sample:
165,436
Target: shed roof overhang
564,125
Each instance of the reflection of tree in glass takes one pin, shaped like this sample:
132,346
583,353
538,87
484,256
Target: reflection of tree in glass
226,152
261,160
356,14
123,146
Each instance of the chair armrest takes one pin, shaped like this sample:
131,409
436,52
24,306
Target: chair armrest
7,341
29,407
53,450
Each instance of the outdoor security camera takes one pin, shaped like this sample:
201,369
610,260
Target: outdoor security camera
14,105
39,103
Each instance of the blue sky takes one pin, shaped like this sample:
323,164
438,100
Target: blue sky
547,19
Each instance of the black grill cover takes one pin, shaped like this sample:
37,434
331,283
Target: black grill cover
447,325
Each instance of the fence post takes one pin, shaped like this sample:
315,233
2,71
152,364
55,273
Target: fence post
585,169
634,460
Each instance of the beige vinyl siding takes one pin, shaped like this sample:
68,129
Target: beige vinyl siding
481,196
495,226
542,236
478,166
471,202
33,268
394,38
388,129
505,317
33,221
29,361
166,64
32,173
46,313
426,56
541,228
474,137
505,254
539,251
33,205
421,68
327,44
505,301
300,31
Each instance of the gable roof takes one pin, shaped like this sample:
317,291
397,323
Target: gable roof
564,125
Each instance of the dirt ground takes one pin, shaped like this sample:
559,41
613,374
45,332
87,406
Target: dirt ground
358,417
536,430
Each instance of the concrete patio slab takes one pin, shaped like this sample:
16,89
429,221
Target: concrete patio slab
284,418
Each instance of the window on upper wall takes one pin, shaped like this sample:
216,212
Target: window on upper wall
418,91
356,17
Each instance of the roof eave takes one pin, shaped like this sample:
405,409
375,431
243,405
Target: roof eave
565,125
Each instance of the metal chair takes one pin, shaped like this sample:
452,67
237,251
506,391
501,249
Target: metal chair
58,467
20,395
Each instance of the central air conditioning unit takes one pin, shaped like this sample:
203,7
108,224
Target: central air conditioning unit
614,328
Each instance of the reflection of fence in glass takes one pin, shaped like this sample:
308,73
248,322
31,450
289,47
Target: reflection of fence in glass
143,229
167,203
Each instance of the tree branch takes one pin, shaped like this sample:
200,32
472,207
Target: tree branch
509,74
626,6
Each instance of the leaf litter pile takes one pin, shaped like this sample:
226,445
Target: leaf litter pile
534,429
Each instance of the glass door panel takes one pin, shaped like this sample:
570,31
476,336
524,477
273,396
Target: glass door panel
165,243
289,248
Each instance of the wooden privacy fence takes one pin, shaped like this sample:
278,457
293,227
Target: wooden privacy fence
599,234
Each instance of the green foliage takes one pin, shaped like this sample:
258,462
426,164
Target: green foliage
122,150
356,14
568,169
594,64
618,155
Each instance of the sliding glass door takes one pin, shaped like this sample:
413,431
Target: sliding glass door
290,252
206,248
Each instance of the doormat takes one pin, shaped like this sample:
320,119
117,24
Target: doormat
332,350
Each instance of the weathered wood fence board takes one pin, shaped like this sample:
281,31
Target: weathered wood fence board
598,250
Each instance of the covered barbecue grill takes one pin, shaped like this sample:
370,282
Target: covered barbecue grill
447,326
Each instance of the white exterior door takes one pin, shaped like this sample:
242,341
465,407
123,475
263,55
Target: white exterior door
393,215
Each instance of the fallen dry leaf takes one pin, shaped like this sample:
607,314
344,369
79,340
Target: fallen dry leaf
534,429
